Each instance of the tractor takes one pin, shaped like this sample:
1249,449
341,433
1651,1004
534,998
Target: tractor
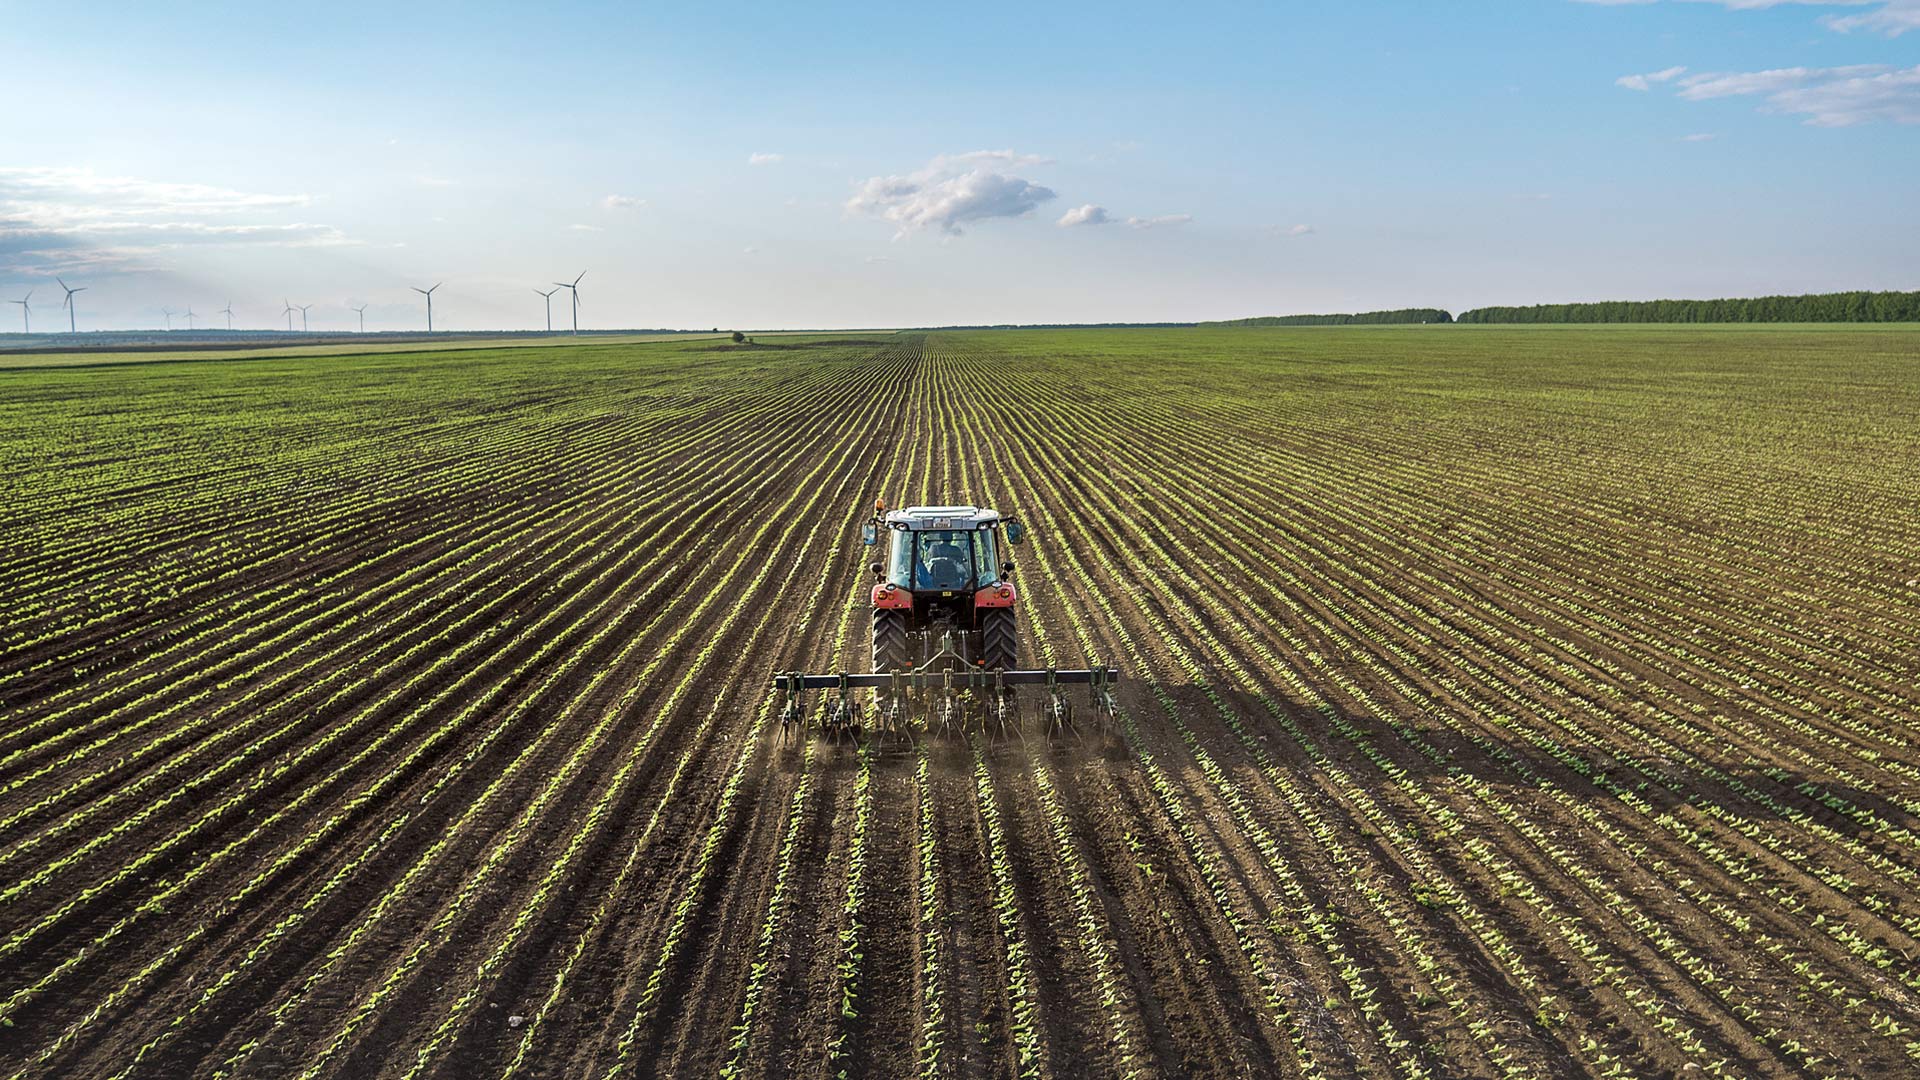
946,643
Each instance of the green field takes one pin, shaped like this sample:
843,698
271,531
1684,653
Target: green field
1498,701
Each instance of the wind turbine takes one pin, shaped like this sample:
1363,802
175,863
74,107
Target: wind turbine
549,298
26,310
303,317
287,310
362,312
228,312
575,287
428,293
168,312
189,318
68,302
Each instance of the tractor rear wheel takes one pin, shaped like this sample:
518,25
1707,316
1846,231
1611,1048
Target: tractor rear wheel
890,640
999,641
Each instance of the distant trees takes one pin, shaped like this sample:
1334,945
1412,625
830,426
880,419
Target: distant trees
1365,318
1822,307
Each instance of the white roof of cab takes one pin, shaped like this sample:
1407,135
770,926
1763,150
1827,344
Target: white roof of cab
942,517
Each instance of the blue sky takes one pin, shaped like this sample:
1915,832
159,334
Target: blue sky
764,165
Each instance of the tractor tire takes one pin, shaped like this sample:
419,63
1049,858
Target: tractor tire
890,641
999,640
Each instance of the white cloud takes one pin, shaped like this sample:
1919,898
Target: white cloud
1889,17
1706,86
1293,230
765,159
57,197
433,181
576,227
1088,214
1827,97
623,202
1761,5
1645,82
72,218
1892,19
952,191
1701,136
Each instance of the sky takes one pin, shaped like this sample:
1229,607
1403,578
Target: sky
848,165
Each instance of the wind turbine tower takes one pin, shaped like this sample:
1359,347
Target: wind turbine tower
228,312
189,318
68,302
26,309
362,312
428,293
548,295
287,310
168,312
574,287
303,317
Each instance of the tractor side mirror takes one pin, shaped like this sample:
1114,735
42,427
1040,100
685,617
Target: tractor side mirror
878,570
869,534
1006,569
1015,531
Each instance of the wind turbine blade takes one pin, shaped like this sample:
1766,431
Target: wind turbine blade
62,281
576,280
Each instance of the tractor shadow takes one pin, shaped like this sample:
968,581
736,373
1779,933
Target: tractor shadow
1431,750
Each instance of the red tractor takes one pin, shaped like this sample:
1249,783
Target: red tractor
946,642
942,589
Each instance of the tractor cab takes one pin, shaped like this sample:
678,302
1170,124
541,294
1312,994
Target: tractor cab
943,548
941,590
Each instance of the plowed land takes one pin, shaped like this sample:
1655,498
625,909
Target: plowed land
1528,702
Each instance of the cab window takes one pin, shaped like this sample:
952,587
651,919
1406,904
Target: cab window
943,559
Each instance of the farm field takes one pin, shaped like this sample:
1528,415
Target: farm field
1516,702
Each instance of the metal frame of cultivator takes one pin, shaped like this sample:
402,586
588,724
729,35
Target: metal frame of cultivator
950,701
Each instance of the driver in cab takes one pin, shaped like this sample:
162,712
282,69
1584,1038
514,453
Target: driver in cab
943,565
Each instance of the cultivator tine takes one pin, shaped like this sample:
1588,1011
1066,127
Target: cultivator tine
889,708
952,719
790,697
843,714
1101,689
950,702
1006,715
1059,709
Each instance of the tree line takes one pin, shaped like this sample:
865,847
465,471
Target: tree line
1365,318
1823,307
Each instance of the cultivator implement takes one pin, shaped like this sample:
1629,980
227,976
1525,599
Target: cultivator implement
946,702
945,640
